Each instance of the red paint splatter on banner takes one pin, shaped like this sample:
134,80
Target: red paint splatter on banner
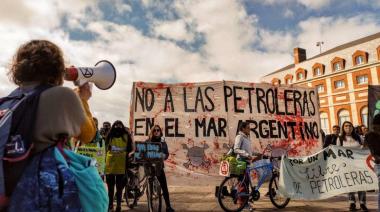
158,113
281,95
242,103
299,146
161,86
213,158
140,84
190,142
190,123
188,85
216,144
171,161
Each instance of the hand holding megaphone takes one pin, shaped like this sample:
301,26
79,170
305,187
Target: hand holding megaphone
103,75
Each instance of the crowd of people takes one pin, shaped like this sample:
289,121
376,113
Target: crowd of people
119,147
356,138
63,111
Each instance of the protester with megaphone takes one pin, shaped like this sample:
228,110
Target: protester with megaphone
53,113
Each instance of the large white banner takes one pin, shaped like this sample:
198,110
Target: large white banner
200,120
334,170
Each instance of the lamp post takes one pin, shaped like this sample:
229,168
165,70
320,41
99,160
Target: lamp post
320,43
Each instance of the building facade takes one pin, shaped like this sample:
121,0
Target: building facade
341,76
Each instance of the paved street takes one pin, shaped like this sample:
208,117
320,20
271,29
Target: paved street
202,199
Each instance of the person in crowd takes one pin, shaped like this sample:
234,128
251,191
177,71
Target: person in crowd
364,131
98,140
332,138
119,148
60,110
372,141
243,150
358,131
156,135
105,129
348,138
242,145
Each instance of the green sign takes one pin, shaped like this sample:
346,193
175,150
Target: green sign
97,153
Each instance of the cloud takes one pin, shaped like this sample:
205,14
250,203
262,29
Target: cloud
334,31
176,30
288,13
310,4
277,41
122,7
315,4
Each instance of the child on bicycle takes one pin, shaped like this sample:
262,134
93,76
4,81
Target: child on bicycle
243,149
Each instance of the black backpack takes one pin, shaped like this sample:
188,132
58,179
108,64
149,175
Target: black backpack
17,119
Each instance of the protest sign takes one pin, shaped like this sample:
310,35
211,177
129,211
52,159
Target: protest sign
200,120
373,104
97,153
332,171
148,152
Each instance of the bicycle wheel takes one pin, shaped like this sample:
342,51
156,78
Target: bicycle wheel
132,191
154,195
277,199
233,194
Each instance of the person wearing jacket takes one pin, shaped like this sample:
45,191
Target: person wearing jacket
332,138
243,150
156,135
242,145
119,149
348,138
60,111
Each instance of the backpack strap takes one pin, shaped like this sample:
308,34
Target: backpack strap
17,128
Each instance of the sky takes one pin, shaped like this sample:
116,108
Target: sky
180,41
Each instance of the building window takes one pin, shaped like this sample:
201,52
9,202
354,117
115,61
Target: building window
318,69
363,79
337,66
359,60
300,76
325,123
343,116
276,81
317,72
320,88
288,81
359,57
364,116
339,84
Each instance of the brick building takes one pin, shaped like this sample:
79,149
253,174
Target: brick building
341,76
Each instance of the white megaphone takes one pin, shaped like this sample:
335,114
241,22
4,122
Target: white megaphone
103,75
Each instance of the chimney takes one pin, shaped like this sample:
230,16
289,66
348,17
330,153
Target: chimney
299,55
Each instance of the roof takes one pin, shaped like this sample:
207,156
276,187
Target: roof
335,49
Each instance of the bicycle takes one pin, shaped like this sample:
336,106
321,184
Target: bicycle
236,191
135,187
